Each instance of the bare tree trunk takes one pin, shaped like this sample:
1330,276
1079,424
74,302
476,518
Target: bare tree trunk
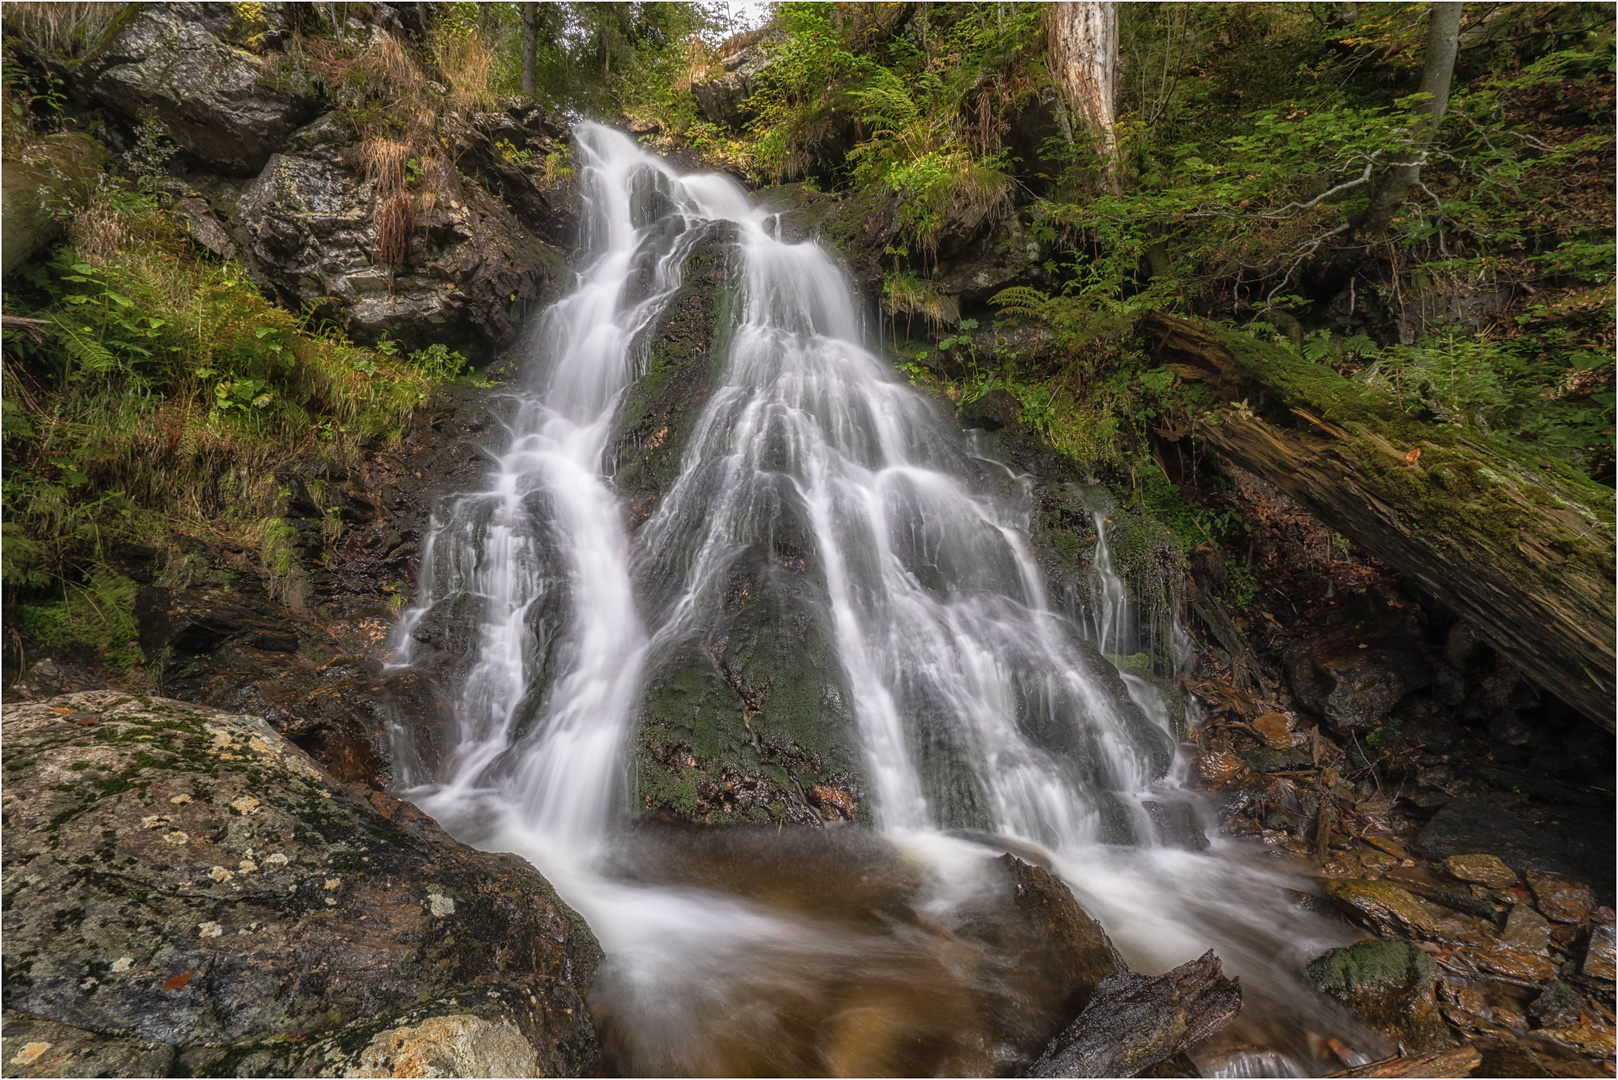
530,46
1438,66
1084,62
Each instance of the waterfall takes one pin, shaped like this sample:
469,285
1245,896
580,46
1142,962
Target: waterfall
979,710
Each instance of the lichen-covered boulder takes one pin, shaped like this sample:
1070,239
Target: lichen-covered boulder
183,884
200,71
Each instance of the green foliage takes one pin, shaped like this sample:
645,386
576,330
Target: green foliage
1191,524
97,615
165,395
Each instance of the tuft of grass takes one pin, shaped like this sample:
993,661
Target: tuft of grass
395,221
382,161
908,295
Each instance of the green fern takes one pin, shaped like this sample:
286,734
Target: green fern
1023,302
89,356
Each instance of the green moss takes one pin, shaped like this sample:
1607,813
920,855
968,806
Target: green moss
1449,490
1371,965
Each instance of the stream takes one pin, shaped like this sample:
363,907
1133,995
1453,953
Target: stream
987,719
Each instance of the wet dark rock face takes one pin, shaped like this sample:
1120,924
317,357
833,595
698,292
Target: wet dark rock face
472,271
187,892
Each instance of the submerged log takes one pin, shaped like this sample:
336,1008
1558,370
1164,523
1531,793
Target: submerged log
1134,1021
1520,546
1458,1062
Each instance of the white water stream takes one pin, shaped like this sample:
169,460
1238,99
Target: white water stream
977,707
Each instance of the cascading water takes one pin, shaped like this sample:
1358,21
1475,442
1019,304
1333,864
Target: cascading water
978,709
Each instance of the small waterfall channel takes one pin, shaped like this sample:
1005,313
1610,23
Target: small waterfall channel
987,719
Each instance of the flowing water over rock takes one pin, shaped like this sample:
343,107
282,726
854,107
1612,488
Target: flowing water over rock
984,719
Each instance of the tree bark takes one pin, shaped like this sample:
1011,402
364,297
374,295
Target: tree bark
1438,67
530,47
1134,1021
1524,552
1084,62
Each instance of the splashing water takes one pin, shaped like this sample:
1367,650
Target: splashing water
979,710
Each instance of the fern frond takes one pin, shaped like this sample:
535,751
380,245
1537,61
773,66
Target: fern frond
1022,302
88,355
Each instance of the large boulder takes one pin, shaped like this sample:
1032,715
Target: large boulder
188,892
470,274
723,98
200,71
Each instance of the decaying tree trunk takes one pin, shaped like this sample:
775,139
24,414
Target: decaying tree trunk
1084,62
1134,1021
1521,550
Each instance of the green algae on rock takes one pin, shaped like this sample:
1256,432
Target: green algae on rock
190,880
1389,985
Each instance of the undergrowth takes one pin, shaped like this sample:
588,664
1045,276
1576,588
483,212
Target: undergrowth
158,392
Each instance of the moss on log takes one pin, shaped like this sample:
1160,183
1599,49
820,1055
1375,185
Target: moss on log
1519,545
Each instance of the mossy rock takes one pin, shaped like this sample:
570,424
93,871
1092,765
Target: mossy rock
1389,985
187,878
749,725
684,355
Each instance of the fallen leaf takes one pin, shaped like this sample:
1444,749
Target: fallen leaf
62,712
1410,458
178,981
1382,843
1276,731
87,721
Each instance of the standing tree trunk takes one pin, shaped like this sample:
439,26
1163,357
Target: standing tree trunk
530,46
1438,66
1084,62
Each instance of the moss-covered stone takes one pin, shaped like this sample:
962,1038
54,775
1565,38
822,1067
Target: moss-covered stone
1389,985
189,878
684,355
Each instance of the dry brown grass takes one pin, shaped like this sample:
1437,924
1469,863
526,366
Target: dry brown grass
98,231
385,62
395,221
57,29
383,162
466,64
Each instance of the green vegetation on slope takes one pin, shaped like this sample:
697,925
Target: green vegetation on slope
156,390
1252,139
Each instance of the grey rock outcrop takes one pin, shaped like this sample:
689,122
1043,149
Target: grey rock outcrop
200,71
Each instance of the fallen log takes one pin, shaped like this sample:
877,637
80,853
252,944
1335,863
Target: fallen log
1520,546
1457,1062
1134,1021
